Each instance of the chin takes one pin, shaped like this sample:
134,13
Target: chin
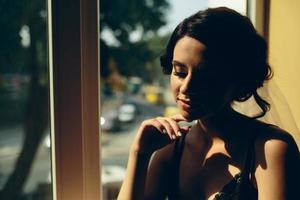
190,116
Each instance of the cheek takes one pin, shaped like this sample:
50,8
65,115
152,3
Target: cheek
175,85
217,99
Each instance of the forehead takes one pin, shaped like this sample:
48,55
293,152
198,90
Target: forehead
189,52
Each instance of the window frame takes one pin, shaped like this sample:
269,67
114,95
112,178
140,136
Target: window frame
75,94
74,98
259,12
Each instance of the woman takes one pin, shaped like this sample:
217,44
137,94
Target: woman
214,57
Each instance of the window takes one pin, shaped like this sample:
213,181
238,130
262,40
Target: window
25,149
133,87
64,105
75,100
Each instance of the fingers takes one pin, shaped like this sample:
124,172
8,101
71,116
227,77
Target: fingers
178,118
159,126
168,126
171,127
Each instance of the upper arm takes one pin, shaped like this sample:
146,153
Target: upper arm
274,171
157,174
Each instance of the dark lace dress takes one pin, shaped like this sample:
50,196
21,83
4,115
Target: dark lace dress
239,188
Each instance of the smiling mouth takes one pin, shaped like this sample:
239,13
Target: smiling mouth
185,104
186,101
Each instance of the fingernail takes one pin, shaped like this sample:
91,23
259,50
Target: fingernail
164,131
179,133
173,136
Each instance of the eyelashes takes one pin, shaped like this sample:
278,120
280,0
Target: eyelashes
180,74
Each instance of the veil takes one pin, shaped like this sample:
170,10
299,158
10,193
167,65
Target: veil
279,114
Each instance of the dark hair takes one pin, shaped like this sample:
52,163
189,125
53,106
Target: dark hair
233,48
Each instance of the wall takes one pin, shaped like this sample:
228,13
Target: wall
284,49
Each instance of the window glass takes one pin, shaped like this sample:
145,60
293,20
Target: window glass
133,87
240,5
25,155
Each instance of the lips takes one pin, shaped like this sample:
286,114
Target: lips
188,104
186,101
185,104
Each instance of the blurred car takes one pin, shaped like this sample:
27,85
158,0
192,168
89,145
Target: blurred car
127,113
134,85
47,141
154,95
112,178
109,121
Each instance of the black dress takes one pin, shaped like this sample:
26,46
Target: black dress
239,188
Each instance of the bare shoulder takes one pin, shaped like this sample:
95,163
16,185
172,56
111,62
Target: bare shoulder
277,163
157,174
274,143
163,156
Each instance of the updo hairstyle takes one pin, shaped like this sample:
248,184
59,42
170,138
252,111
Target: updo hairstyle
234,50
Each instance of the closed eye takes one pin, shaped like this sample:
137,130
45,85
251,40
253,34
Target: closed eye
180,74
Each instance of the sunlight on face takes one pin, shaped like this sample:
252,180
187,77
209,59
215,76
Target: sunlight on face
197,92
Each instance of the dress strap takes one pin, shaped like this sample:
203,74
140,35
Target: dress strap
178,149
246,188
249,166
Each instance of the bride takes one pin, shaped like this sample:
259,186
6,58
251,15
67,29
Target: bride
210,151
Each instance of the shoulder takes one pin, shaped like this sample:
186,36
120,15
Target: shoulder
273,143
161,160
157,173
164,155
277,162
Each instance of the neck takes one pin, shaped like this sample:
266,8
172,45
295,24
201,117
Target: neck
220,124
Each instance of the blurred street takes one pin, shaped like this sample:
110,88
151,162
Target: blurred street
11,140
115,144
114,151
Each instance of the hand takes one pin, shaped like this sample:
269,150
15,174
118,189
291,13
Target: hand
156,133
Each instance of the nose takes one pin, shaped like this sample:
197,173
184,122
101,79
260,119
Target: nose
188,85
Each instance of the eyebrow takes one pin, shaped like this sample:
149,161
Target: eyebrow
175,62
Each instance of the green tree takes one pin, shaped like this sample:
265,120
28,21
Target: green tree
10,49
32,61
124,17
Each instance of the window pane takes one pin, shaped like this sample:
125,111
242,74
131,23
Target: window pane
25,154
133,85
240,5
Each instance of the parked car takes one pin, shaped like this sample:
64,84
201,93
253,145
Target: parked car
110,122
127,113
112,177
154,95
